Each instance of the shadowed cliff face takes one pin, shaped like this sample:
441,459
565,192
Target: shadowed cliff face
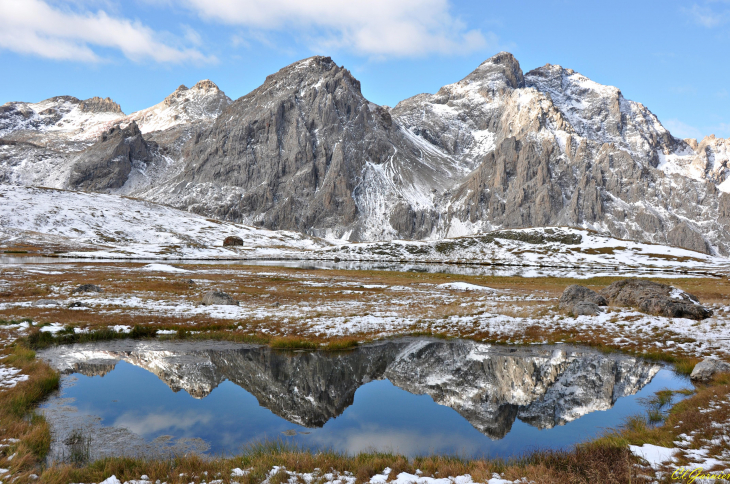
490,386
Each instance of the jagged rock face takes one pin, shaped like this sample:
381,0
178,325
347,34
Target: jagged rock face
488,385
108,163
498,149
99,105
290,152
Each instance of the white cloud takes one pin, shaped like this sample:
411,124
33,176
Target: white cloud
379,28
151,423
34,27
682,130
706,16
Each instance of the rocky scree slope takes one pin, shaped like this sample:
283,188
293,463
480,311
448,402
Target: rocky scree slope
498,149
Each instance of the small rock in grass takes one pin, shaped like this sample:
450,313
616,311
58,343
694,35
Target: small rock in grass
217,298
77,304
46,302
576,294
585,308
87,288
705,369
232,241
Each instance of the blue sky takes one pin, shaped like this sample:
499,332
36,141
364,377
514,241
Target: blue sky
672,56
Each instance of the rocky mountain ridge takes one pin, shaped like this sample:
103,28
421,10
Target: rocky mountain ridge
306,151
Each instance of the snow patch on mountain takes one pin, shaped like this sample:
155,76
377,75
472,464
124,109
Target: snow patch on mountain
120,227
202,102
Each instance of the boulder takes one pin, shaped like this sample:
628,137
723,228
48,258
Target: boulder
87,288
46,302
654,298
705,369
232,241
217,298
575,294
585,308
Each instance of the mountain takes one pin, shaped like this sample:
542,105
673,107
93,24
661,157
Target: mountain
306,151
490,386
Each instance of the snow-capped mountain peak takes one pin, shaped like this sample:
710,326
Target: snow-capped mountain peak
202,102
77,119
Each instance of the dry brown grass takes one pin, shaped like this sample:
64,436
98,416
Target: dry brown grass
17,419
586,464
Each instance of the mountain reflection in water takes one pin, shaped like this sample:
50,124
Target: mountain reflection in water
490,386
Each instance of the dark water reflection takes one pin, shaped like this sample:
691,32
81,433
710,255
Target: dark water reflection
414,396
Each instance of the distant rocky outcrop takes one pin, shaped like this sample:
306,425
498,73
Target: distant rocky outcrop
99,105
87,288
655,298
107,164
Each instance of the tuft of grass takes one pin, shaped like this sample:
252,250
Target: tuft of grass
292,343
37,339
340,345
139,332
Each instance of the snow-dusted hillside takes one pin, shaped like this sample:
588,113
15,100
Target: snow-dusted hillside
109,226
62,116
113,226
537,247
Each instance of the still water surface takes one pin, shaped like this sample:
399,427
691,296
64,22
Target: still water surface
412,396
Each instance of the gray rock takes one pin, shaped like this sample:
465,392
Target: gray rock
87,288
585,308
576,294
654,298
46,302
217,298
688,238
99,105
707,368
232,241
107,164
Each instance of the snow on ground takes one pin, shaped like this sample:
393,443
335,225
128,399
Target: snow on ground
119,227
562,247
336,477
407,309
465,286
9,377
163,268
653,454
108,226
